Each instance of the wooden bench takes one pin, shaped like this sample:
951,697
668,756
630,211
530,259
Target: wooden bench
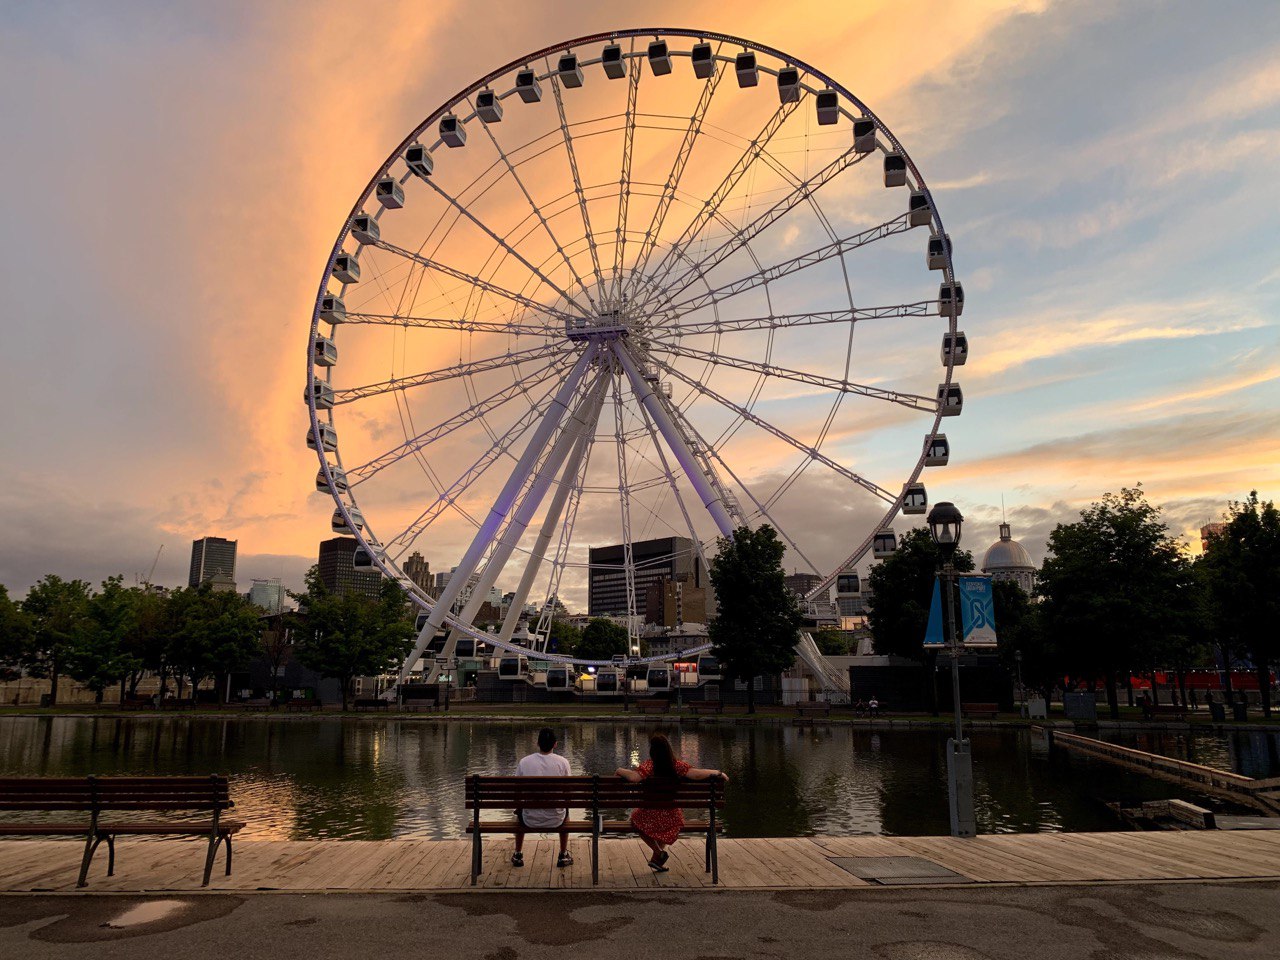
416,705
972,710
137,703
257,704
371,703
94,797
813,708
593,795
706,706
654,705
175,703
1164,710
304,704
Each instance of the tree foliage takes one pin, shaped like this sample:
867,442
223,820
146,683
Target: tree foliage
59,614
1240,571
602,639
211,630
1111,587
754,633
344,637
564,637
902,590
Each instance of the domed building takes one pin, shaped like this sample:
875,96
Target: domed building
1007,559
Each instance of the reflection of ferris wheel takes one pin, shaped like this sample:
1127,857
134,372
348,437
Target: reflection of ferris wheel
615,286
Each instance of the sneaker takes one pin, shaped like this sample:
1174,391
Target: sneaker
565,860
517,859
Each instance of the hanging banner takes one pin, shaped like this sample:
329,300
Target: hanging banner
933,636
977,612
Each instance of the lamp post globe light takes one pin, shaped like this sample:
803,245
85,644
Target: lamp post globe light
945,525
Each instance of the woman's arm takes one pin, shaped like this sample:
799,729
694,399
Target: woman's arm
628,774
697,773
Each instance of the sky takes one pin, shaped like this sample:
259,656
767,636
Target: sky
175,175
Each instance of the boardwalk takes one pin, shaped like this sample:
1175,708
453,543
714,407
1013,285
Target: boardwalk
817,863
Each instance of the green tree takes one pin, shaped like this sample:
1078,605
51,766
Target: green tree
344,637
831,643
213,632
59,614
100,656
1242,573
901,592
754,633
1022,644
564,637
15,635
601,639
1111,587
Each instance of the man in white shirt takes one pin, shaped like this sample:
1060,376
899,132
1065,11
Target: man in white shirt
544,763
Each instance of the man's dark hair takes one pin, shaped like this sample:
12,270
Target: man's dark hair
546,739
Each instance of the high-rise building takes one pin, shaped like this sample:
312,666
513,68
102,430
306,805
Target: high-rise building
418,570
673,603
267,595
667,558
338,573
1208,532
213,561
801,583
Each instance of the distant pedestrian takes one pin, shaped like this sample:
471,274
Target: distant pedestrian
544,763
1192,696
660,827
873,706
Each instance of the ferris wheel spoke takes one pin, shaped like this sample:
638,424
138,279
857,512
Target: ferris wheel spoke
536,210
923,308
497,449
472,368
473,281
624,502
410,447
704,216
511,251
624,182
910,400
839,248
812,452
801,192
561,559
672,182
462,326
577,183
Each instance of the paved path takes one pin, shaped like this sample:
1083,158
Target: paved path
1116,922
812,863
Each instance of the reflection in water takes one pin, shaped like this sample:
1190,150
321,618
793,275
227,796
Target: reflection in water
375,779
1254,753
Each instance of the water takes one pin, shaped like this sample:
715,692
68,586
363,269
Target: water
378,779
1254,753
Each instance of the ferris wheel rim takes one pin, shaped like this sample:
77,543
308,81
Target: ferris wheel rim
420,596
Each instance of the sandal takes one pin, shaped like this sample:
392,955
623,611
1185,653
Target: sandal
565,860
517,859
659,863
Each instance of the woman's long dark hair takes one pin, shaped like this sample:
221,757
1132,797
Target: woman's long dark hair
664,760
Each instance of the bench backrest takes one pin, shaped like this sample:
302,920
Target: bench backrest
589,793
96,794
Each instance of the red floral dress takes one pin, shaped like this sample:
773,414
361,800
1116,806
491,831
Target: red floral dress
660,825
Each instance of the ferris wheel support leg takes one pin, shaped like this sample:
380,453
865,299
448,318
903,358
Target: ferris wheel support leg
684,456
583,417
549,525
501,507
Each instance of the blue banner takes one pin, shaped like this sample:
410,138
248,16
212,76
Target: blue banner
933,636
977,612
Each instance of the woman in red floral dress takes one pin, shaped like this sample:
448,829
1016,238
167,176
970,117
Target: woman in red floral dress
659,828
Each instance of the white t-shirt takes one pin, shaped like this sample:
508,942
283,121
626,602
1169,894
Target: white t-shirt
543,765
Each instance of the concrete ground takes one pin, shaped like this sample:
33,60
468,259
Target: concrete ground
1099,922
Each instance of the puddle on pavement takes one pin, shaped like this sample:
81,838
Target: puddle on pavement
147,912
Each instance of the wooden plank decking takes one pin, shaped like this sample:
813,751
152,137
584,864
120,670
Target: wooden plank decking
799,863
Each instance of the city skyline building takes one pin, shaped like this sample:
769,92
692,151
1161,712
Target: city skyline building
417,569
268,595
338,573
664,558
213,561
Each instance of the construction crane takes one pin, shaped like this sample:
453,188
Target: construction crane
146,581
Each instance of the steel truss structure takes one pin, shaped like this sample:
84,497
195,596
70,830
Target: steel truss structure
651,249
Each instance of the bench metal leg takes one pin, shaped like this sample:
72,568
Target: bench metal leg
595,851
208,860
715,860
111,854
227,841
90,845
477,861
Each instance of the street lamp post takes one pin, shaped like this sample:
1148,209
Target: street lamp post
945,522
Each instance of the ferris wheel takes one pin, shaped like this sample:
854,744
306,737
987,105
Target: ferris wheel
640,285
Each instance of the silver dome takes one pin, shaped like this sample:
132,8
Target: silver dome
1006,554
